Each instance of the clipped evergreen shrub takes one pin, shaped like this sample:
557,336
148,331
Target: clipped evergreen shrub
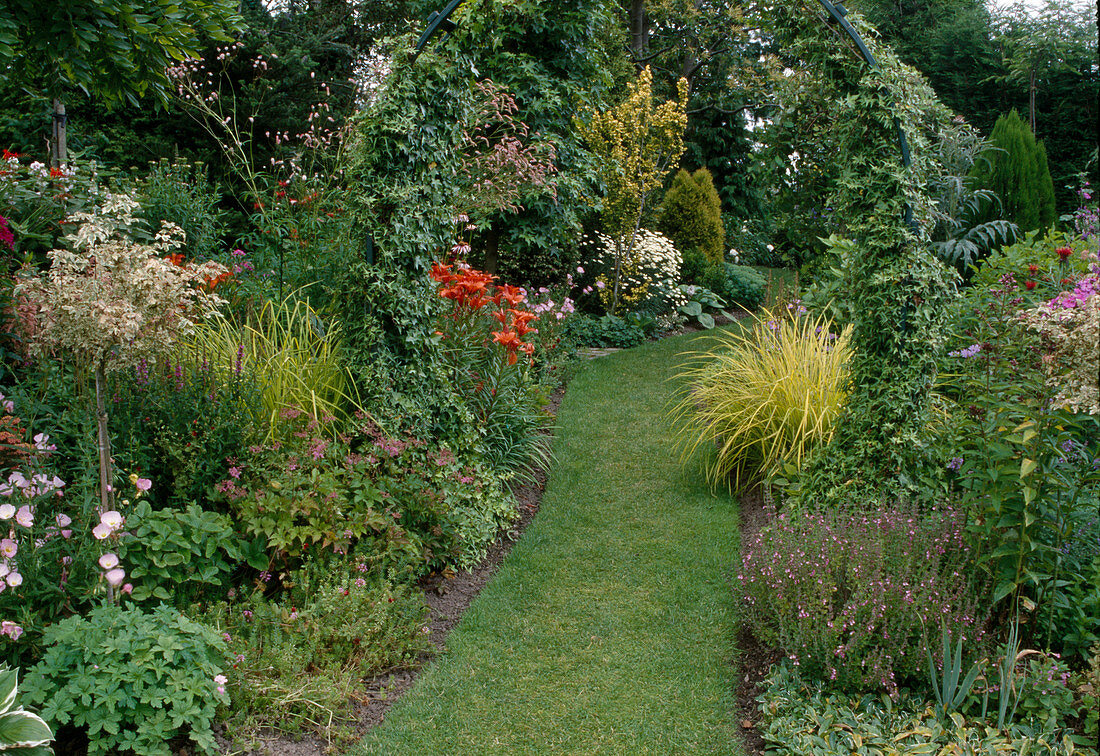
738,285
691,214
1015,169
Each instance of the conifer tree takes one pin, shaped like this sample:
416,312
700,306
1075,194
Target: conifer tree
691,214
1015,169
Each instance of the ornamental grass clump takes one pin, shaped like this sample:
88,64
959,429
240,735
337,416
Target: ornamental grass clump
854,598
764,396
293,353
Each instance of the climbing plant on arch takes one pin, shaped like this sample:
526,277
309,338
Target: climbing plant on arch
841,116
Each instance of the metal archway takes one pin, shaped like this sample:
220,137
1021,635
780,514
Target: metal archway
440,21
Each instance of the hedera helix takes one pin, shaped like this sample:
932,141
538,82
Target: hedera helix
882,276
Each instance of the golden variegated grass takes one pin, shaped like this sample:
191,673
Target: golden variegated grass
764,396
293,354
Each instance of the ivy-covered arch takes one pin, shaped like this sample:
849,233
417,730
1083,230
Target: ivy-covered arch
887,282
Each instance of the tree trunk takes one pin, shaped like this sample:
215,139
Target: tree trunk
639,41
59,152
1031,100
105,492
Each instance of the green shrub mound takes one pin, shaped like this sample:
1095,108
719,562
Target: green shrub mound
135,679
740,285
609,331
691,214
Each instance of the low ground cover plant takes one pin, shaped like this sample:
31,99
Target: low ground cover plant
853,597
299,659
803,715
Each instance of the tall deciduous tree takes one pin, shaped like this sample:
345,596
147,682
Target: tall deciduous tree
116,50
635,143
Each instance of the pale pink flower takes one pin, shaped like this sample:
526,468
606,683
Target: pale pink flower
8,548
63,520
111,519
108,561
10,629
115,576
15,579
101,531
144,484
7,511
24,516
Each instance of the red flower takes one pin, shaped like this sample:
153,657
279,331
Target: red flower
1030,285
513,295
56,173
176,258
441,272
508,339
212,283
1033,269
1064,253
8,154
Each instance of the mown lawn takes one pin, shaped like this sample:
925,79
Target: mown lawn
609,628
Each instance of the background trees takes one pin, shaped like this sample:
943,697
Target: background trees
116,51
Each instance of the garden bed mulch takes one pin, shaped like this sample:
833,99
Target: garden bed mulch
753,657
448,597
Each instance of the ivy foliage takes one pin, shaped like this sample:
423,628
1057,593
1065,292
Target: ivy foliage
880,274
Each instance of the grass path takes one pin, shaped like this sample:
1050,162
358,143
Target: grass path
609,627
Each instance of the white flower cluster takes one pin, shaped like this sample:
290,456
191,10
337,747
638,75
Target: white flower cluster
649,272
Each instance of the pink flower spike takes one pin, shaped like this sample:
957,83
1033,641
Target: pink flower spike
116,576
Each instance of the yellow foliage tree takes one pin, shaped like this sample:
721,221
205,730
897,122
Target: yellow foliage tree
635,143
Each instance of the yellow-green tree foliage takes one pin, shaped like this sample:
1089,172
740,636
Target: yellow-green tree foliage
691,214
634,143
